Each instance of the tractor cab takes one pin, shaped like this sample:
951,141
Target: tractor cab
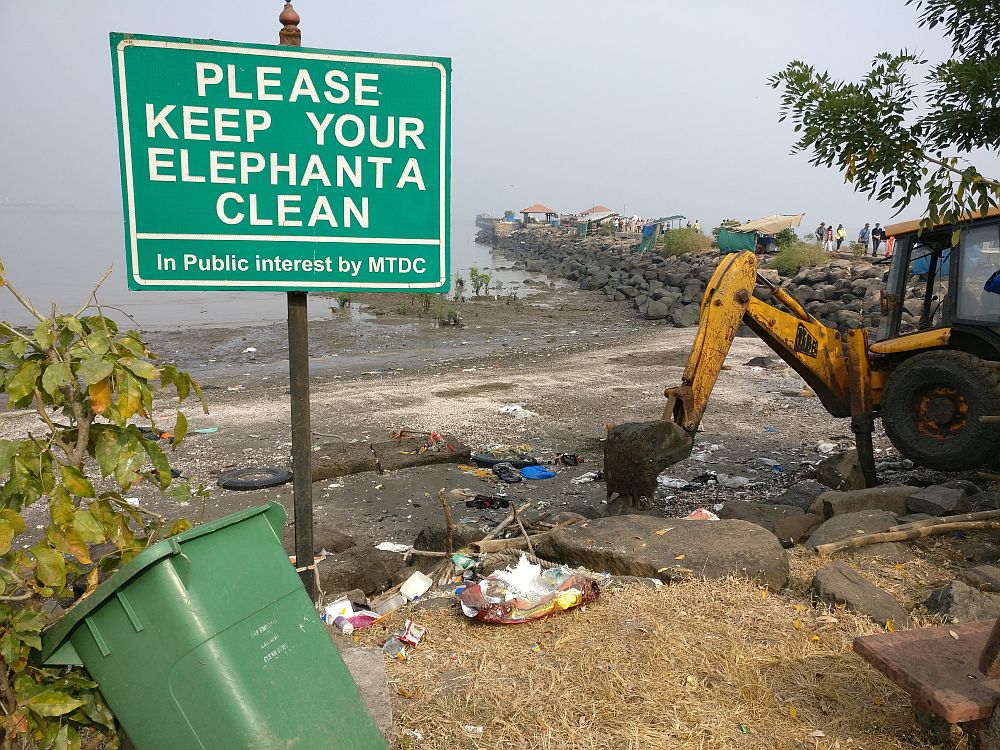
942,293
935,363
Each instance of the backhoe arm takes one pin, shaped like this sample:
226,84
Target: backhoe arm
637,452
810,348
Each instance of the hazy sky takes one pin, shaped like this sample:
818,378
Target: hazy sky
649,106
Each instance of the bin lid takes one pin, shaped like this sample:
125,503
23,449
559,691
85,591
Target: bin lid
57,634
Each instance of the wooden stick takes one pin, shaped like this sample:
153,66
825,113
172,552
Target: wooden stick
521,525
506,522
449,523
428,553
990,419
499,545
981,516
902,536
988,475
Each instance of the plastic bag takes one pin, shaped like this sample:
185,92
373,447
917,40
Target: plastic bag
525,592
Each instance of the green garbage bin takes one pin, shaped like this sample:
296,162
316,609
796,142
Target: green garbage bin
209,641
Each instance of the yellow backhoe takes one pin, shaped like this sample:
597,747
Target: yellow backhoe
932,374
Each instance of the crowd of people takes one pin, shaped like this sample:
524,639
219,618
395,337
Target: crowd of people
872,238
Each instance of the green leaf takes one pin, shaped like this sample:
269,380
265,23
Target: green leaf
87,527
14,519
51,569
52,703
43,335
6,536
106,452
160,463
10,647
77,484
180,429
55,376
71,323
28,621
61,508
180,526
145,370
8,449
94,369
23,382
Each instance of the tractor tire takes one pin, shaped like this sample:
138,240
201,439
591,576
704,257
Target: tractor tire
931,407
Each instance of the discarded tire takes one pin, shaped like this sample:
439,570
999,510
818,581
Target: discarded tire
931,407
243,480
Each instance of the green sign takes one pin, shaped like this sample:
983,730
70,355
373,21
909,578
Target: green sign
272,168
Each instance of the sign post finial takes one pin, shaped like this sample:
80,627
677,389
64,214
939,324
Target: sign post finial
290,35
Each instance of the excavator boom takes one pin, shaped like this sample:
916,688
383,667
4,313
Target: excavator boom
636,453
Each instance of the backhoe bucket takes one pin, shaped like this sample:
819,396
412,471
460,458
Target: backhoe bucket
636,453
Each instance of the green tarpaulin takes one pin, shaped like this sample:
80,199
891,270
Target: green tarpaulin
733,242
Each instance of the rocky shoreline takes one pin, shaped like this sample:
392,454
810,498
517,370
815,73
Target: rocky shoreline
842,294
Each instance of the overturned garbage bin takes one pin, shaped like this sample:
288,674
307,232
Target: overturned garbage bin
208,641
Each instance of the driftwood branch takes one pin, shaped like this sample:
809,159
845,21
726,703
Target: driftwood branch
449,523
517,518
902,536
499,545
985,515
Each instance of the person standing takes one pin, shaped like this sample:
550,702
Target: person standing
865,235
828,245
878,235
821,232
840,235
697,225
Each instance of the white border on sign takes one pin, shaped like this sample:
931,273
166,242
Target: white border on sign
134,236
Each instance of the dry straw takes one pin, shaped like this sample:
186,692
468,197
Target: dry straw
707,665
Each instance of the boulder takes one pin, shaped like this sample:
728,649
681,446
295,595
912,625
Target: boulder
970,488
982,577
801,494
976,550
939,500
629,545
796,529
892,499
962,603
435,538
361,567
761,514
686,316
839,583
847,525
841,471
656,310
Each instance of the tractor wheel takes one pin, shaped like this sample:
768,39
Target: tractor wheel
931,407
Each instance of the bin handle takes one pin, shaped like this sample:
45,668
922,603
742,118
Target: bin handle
180,562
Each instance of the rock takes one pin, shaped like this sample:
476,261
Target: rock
841,471
693,549
761,514
976,550
686,316
367,666
656,310
847,525
985,501
326,537
801,494
839,583
982,577
939,500
874,498
968,487
435,538
796,529
913,517
354,595
766,362
361,567
962,603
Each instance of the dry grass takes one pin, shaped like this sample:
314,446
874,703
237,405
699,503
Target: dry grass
707,665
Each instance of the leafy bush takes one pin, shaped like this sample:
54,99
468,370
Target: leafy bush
786,237
86,381
859,250
480,281
686,240
446,314
343,299
791,259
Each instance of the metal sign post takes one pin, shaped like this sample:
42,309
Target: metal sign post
281,168
298,381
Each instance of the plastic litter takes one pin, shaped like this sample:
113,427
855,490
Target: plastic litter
416,586
343,625
392,547
590,476
701,514
826,448
412,633
732,481
537,472
394,648
515,410
462,562
525,592
390,605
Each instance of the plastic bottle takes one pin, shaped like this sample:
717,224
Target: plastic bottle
343,625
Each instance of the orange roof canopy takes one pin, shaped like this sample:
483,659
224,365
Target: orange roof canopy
598,209
538,208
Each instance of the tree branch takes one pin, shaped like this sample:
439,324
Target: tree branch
40,408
